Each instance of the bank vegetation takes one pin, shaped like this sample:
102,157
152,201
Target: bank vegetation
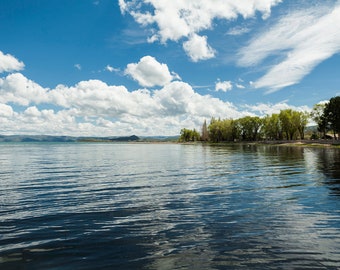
287,125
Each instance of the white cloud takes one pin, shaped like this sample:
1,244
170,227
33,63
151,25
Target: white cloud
5,110
149,72
185,19
92,98
179,99
240,86
111,69
197,48
93,108
302,39
122,6
268,108
9,63
223,86
18,89
238,30
32,112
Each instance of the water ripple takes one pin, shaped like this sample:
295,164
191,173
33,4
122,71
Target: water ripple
135,206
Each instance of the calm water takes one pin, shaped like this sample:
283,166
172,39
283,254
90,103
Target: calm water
168,206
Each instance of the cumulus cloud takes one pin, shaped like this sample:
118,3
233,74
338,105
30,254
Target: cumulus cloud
94,108
6,110
197,48
16,88
300,41
8,63
148,72
175,20
223,86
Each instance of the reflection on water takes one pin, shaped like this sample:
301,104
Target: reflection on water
144,206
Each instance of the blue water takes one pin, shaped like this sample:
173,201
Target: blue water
168,206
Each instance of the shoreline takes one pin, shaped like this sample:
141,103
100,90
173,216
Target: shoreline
289,143
297,143
304,143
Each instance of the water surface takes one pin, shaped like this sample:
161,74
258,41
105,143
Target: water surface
168,206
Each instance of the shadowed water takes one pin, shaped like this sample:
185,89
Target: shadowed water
168,206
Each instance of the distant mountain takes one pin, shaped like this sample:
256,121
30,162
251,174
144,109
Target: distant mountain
132,138
47,138
36,138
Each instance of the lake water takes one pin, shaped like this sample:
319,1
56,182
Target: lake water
168,206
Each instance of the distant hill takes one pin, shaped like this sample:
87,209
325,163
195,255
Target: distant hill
132,138
47,138
36,138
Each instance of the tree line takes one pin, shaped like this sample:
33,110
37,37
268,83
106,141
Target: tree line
288,124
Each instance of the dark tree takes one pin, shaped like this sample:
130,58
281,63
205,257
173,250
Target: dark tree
205,133
332,115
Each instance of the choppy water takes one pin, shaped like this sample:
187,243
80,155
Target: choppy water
168,206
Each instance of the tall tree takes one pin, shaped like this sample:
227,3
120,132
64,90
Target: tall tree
250,127
288,127
318,117
272,127
215,130
300,120
222,130
332,115
205,133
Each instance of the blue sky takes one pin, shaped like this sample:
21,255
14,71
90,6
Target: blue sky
109,67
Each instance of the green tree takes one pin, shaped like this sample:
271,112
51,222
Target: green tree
272,127
318,117
205,133
215,130
250,127
332,115
228,130
286,120
301,120
293,123
188,135
221,130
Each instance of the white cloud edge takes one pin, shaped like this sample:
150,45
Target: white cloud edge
304,38
197,48
8,63
148,72
176,20
223,86
94,108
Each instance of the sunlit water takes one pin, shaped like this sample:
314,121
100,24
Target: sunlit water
168,206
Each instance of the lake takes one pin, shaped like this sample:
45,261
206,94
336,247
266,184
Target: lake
168,206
